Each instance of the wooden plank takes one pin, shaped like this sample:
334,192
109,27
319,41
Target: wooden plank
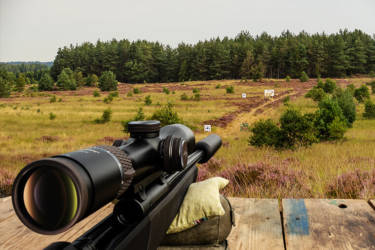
14,235
6,208
328,224
258,225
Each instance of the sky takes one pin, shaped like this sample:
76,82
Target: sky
33,30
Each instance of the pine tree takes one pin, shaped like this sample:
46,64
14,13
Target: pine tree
107,81
46,82
66,80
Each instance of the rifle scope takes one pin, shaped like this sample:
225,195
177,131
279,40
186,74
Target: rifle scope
52,194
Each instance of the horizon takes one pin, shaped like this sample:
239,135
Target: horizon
36,35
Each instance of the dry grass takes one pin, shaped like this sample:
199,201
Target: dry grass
27,134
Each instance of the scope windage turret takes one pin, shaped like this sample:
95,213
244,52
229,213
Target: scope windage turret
52,194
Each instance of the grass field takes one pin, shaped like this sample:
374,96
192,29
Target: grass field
27,133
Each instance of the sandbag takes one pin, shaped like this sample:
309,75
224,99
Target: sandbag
213,231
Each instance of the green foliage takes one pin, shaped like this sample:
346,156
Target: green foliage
108,99
20,83
320,84
351,88
337,129
197,97
140,116
196,90
106,117
136,91
286,100
166,90
329,111
287,78
362,93
230,90
107,81
4,88
96,93
218,86
80,81
52,116
52,99
148,100
371,74
66,80
166,115
264,133
304,77
46,82
317,94
129,94
184,97
369,110
346,102
329,86
92,80
372,84
114,94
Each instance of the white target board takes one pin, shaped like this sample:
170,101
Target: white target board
243,95
207,128
269,92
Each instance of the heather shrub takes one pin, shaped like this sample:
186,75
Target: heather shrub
106,117
362,93
6,182
166,115
369,110
230,90
317,94
265,181
352,185
304,77
148,100
213,165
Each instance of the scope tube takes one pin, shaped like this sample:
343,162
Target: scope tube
51,195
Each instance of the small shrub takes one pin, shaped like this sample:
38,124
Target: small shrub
337,129
52,116
287,78
329,86
96,93
173,92
218,86
107,81
52,99
114,94
60,100
66,80
304,77
372,84
351,88
106,117
148,100
369,110
136,91
166,115
286,100
197,97
265,133
108,99
320,84
129,94
317,94
230,90
166,90
184,97
4,88
244,126
92,80
347,105
196,90
362,93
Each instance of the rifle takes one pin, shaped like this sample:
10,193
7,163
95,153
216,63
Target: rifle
147,175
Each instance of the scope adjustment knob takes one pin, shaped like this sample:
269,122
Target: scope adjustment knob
144,129
175,154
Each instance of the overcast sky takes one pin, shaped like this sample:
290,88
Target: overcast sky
33,30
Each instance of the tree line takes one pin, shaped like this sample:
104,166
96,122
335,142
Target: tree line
344,53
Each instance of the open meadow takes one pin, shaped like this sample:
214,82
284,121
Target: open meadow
34,125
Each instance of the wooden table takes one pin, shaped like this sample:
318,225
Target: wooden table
261,224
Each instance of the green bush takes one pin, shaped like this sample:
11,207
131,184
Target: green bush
287,78
320,84
148,100
196,90
197,97
166,90
80,81
264,133
184,97
362,93
372,84
369,110
166,115
336,129
4,88
230,90
347,105
328,111
329,86
129,94
46,82
303,77
317,94
96,93
92,80
52,99
107,81
136,91
351,89
218,86
140,116
20,83
52,116
66,80
286,100
106,117
108,99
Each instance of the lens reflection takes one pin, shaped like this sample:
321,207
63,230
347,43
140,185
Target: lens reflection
50,198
